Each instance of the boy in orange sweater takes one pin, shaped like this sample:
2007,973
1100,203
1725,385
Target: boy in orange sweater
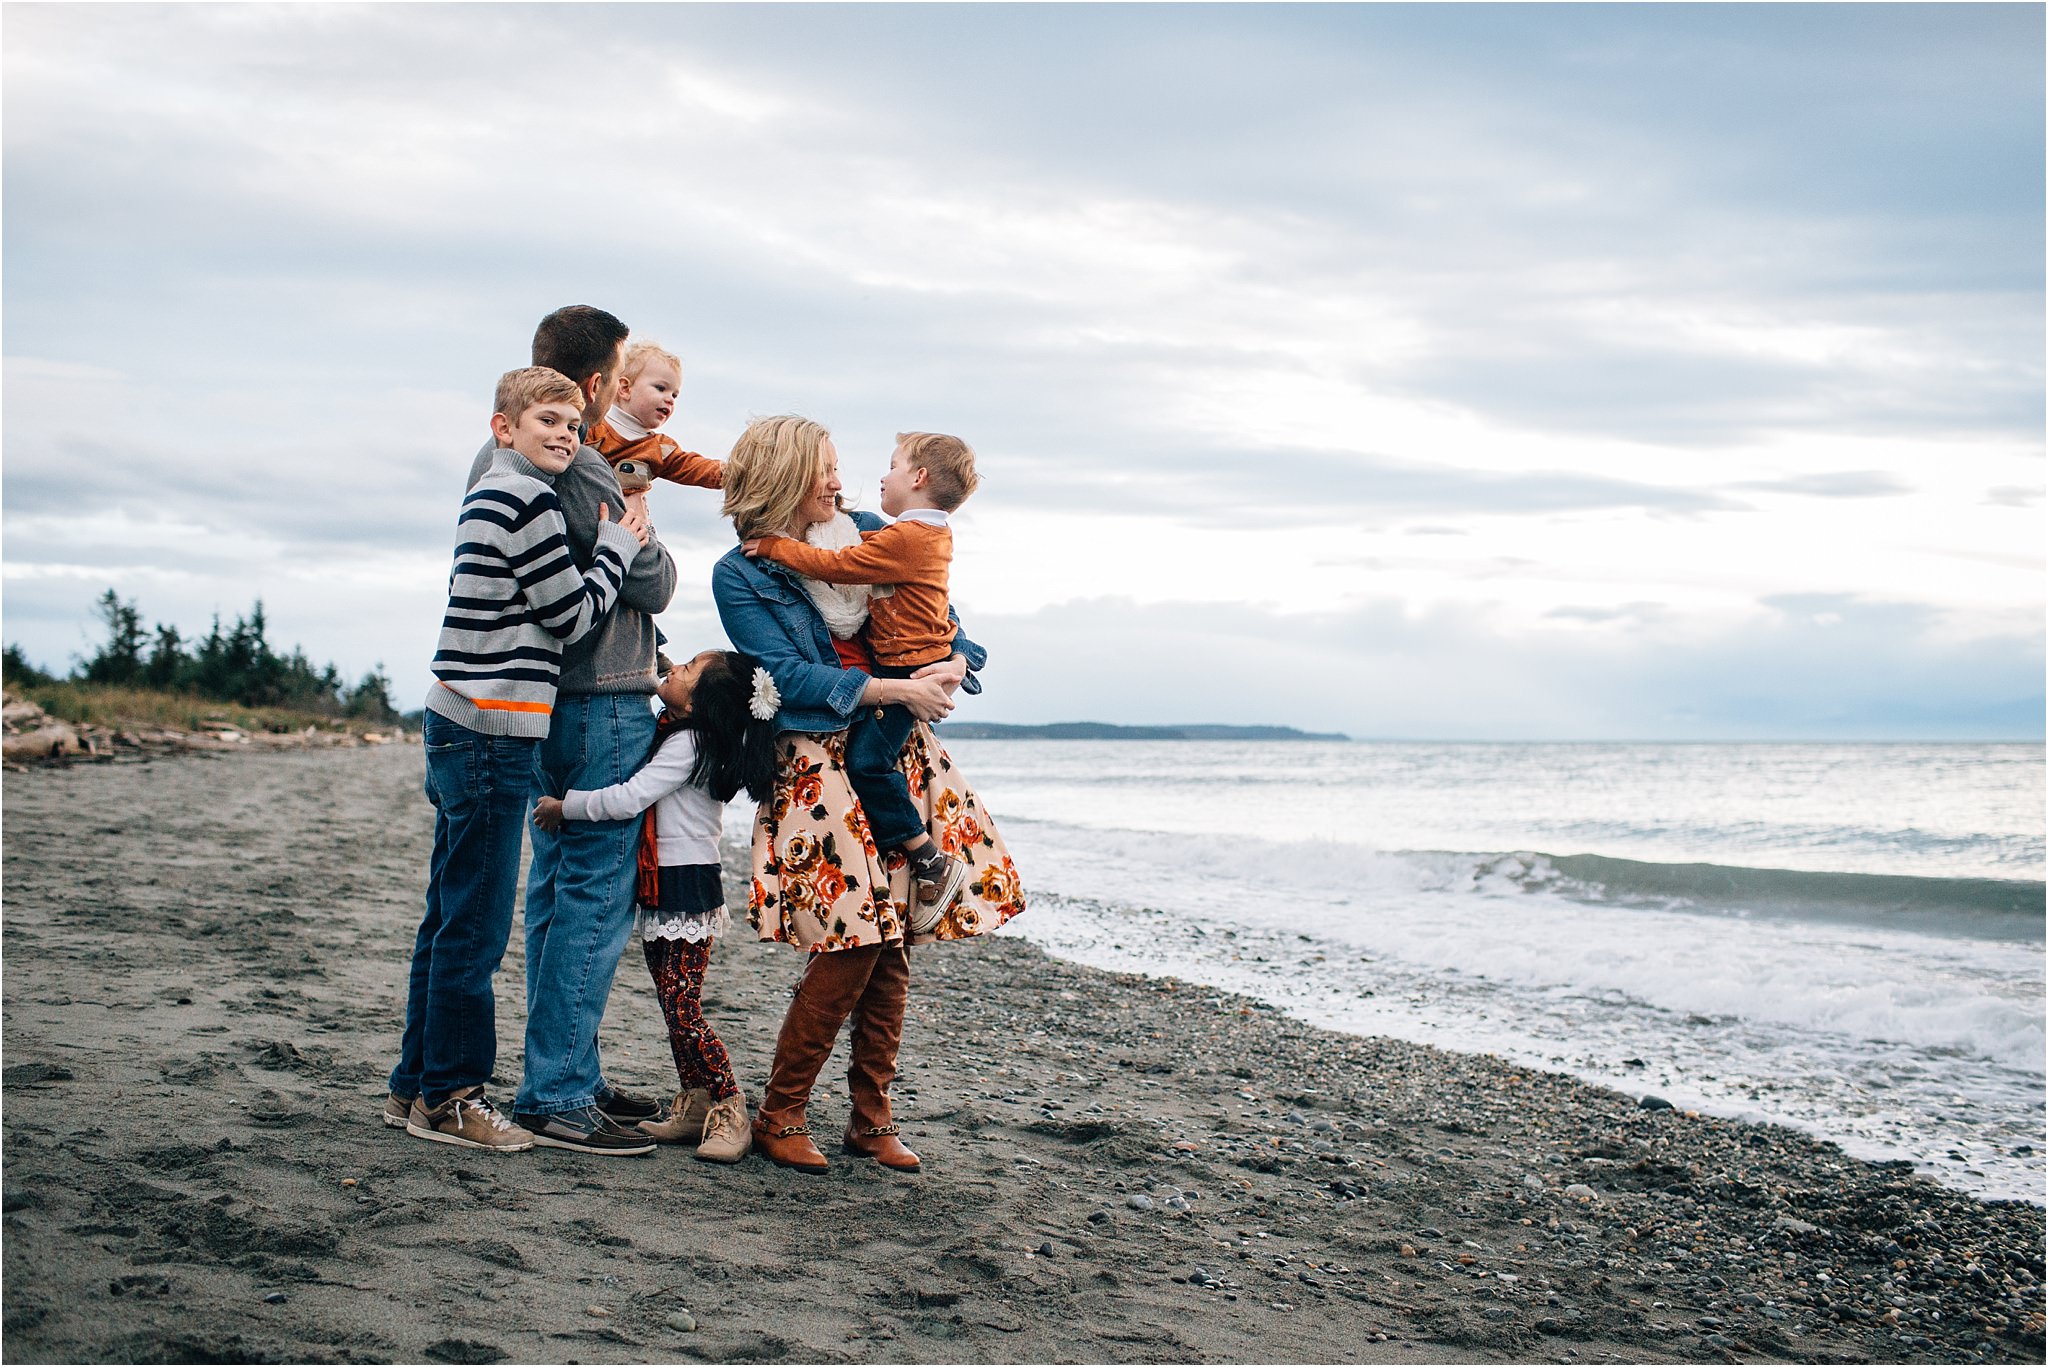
930,475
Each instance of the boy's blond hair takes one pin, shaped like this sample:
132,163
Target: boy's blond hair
774,467
519,390
640,353
947,461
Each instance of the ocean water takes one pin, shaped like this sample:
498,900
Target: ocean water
1844,938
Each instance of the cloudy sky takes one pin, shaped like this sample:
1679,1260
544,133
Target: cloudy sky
1412,371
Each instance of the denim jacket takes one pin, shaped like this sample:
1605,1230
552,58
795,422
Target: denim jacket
767,614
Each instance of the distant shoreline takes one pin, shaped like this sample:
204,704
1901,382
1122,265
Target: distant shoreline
1102,730
1095,730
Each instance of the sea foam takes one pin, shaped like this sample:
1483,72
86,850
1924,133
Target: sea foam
1515,918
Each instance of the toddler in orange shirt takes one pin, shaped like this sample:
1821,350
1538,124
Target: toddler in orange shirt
649,381
648,384
930,476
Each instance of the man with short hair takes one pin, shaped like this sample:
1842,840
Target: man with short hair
579,892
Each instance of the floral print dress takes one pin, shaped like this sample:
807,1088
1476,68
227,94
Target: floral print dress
820,884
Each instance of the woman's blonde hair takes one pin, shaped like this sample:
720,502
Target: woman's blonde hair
773,468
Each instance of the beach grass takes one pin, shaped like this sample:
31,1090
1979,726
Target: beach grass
127,708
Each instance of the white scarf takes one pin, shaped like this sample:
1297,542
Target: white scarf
843,606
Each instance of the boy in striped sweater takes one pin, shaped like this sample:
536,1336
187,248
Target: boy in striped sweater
515,598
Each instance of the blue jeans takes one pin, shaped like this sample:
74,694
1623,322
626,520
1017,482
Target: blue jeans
480,786
579,899
874,741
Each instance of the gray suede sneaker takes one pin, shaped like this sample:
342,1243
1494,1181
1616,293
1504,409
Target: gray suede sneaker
467,1119
932,894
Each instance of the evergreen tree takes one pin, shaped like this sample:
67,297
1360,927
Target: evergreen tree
371,699
211,674
231,664
16,669
168,662
119,661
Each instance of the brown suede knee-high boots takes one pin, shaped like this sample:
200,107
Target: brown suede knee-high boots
877,1032
831,984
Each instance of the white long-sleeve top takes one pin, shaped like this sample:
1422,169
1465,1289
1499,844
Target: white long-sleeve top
687,820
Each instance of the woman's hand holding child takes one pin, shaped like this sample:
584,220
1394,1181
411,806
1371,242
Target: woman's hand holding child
947,673
928,700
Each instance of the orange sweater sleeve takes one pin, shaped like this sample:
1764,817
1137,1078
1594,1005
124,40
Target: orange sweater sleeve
893,555
687,467
670,461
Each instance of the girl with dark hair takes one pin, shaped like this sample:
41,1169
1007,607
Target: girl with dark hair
715,738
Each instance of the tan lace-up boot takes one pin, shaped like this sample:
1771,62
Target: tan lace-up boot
684,1123
728,1136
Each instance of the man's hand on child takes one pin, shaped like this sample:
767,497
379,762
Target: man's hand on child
631,522
547,814
635,521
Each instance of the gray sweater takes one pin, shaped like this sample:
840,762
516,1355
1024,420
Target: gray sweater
618,657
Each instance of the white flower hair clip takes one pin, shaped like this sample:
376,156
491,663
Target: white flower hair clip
766,699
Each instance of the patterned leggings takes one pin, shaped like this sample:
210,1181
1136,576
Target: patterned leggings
677,967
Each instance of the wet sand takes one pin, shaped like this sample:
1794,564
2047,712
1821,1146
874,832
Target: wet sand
204,958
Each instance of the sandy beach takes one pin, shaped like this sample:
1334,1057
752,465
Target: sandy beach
204,957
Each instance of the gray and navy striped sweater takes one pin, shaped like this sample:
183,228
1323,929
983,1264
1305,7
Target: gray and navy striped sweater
515,598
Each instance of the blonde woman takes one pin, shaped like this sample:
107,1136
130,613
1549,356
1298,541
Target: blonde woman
819,883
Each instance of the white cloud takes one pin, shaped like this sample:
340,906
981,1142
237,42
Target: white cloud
1582,327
